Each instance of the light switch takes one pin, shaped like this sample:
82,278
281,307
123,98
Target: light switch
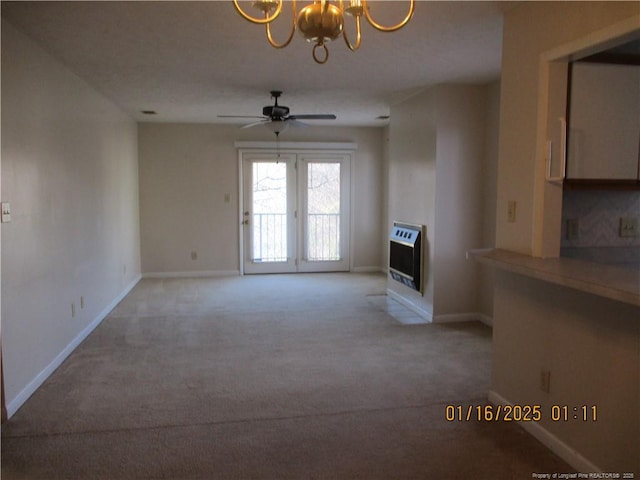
6,212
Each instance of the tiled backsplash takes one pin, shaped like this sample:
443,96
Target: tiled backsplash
598,216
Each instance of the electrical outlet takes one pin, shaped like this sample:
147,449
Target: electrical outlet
194,255
545,380
628,227
573,229
227,198
511,211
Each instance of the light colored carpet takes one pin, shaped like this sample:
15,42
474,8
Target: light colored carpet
267,377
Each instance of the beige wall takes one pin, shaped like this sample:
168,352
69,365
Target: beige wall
384,231
521,160
489,189
441,173
69,170
186,170
590,344
461,177
411,177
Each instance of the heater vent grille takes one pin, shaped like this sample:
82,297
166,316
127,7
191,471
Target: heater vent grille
405,254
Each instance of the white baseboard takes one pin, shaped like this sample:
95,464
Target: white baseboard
33,385
486,319
454,317
429,317
553,443
463,317
414,307
193,274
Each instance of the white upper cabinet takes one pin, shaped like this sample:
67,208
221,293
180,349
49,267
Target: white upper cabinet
604,121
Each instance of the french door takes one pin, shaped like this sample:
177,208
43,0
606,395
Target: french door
295,212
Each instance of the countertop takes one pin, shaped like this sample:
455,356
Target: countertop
610,281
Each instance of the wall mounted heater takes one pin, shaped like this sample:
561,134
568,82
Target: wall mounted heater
405,254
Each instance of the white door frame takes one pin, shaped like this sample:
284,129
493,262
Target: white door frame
301,149
289,265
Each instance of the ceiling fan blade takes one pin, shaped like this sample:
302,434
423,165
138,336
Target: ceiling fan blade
313,117
296,123
241,116
261,122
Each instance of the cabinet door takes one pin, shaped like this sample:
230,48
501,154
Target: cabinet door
604,121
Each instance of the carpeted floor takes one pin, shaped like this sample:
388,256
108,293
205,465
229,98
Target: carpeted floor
267,377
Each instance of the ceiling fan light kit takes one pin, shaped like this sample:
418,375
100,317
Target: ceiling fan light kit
319,22
277,126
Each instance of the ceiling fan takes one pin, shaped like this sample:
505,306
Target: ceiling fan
277,118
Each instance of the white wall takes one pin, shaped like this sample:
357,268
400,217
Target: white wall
69,170
589,344
440,175
186,170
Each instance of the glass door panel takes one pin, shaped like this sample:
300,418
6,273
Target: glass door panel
269,223
323,211
269,212
324,196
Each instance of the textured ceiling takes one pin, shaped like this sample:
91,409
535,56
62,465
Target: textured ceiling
193,61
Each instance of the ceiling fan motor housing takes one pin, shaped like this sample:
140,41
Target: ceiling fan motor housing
275,111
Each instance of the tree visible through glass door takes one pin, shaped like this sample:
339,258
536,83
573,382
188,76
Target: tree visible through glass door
269,217
323,211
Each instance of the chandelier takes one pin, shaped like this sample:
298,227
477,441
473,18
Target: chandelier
320,22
